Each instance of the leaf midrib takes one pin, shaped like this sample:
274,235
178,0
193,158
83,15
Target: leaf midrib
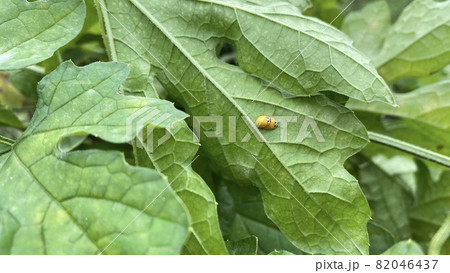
221,89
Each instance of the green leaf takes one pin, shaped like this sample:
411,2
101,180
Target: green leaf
424,114
367,27
311,198
408,247
86,202
8,118
246,246
429,104
299,54
432,204
380,238
291,62
417,44
31,32
173,157
241,212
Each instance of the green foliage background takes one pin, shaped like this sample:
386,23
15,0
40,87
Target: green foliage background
74,179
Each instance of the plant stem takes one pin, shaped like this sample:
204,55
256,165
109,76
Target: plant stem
7,141
410,148
440,238
39,70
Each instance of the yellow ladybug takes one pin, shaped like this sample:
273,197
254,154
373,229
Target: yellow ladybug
266,122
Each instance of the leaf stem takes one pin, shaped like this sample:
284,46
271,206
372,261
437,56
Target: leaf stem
410,148
39,70
7,141
440,238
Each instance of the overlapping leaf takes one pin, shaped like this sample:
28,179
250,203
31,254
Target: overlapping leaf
432,205
424,113
58,202
31,32
306,191
241,212
380,238
417,44
387,199
174,156
367,27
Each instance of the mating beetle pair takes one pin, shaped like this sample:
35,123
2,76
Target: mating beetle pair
266,122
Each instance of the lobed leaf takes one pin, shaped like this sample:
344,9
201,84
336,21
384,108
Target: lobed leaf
86,202
174,156
306,191
299,54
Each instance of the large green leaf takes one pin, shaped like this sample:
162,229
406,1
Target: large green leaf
429,104
417,44
424,117
367,27
173,157
299,54
309,196
242,215
31,32
86,202
308,55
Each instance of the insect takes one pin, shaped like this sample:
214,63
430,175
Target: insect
266,122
